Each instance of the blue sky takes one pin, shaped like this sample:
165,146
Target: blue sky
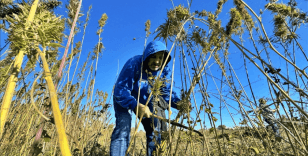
126,21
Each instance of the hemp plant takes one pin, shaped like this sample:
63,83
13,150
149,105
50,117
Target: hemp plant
17,65
218,39
44,32
41,122
97,51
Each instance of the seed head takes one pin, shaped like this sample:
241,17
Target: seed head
147,27
103,20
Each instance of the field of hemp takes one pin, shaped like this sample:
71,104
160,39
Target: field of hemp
51,106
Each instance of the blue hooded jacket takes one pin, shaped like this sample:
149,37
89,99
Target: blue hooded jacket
127,84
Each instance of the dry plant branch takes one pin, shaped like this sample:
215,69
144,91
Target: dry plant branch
176,124
214,27
32,100
147,30
272,82
269,42
68,43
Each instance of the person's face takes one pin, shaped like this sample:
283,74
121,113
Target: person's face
155,61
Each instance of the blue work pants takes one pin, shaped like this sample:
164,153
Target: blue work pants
121,134
273,125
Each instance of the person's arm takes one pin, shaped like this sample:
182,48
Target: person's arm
166,89
124,85
269,110
276,109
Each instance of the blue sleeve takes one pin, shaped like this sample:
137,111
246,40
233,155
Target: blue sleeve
124,85
268,110
166,90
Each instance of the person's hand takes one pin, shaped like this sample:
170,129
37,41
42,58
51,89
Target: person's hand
143,109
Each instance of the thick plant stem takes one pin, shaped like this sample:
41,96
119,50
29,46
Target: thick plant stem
38,134
9,92
65,150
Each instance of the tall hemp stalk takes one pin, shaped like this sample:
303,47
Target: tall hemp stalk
59,75
148,32
46,33
65,150
74,10
5,107
45,30
97,51
68,44
78,101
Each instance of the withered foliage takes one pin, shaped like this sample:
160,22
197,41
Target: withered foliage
8,8
82,118
287,18
173,24
211,36
219,6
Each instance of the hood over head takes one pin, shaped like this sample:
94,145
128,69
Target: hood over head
155,47
262,102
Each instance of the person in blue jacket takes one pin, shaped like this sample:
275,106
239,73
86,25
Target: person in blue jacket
269,118
126,95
